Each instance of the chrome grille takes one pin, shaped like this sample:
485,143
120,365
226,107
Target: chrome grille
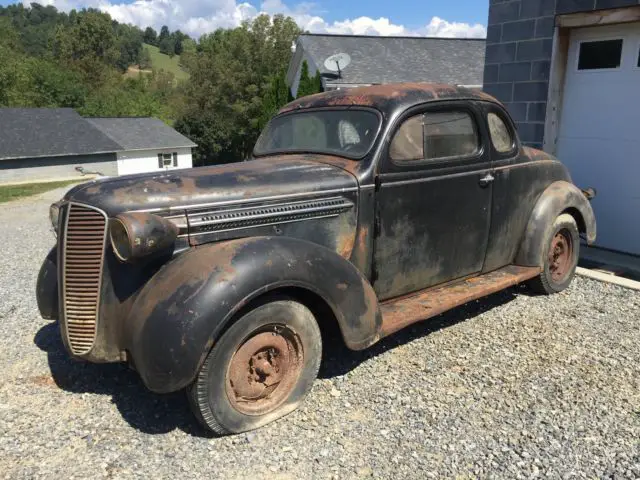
84,239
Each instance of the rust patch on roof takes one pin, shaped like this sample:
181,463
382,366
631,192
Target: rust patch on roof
380,96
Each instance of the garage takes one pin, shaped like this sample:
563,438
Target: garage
599,128
568,71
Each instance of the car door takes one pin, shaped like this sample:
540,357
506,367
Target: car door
433,200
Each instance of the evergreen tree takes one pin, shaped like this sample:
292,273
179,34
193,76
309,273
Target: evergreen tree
308,85
150,36
276,97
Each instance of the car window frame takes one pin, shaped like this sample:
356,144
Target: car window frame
504,119
389,165
376,136
503,114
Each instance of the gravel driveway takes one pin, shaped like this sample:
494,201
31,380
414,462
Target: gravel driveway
512,386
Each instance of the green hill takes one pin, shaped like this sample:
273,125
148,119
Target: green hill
166,63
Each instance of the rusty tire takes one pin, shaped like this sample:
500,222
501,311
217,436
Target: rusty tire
259,370
559,258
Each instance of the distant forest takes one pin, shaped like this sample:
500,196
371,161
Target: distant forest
231,80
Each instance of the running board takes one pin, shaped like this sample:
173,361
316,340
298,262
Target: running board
400,313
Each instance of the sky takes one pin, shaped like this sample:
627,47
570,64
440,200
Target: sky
442,18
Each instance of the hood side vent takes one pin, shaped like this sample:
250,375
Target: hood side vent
222,220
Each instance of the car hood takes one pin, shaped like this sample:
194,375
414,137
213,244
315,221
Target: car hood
276,176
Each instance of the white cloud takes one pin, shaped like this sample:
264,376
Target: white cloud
438,27
202,16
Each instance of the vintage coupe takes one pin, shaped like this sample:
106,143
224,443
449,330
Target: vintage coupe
368,209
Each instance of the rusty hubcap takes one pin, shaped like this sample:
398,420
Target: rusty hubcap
264,370
560,256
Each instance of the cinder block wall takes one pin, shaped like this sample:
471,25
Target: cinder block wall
52,168
518,56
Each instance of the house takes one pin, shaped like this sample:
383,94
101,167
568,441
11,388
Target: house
376,60
569,72
44,144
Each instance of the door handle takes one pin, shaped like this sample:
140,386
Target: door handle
486,180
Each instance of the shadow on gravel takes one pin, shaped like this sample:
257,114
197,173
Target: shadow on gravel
143,410
338,359
156,414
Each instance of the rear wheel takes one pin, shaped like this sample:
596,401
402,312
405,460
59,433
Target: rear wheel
560,257
260,369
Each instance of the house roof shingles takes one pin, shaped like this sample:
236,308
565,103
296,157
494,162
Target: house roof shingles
49,132
54,132
140,133
377,60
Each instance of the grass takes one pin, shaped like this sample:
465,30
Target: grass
165,62
13,192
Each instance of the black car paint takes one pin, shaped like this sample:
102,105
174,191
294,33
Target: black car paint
237,183
179,313
433,216
168,331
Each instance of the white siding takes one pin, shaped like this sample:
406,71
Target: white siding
142,161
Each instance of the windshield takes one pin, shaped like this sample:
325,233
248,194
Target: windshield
348,133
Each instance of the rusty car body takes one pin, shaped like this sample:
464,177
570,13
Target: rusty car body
155,269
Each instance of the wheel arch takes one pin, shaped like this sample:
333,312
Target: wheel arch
325,315
558,198
183,310
577,216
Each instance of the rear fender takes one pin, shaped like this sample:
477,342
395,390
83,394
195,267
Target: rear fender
182,310
559,197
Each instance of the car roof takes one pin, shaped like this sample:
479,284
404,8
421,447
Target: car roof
389,97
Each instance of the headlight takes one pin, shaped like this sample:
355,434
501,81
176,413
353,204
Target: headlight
137,235
119,239
54,215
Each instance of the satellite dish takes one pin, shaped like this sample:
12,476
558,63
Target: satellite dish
337,62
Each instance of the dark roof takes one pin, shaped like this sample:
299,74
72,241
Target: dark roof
377,60
388,98
140,133
48,132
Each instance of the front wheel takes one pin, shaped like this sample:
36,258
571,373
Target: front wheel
259,370
560,257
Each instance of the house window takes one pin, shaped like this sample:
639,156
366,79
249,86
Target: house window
600,54
166,160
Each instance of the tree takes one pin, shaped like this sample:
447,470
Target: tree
231,73
167,46
129,42
178,40
150,36
89,45
276,96
164,33
145,60
308,85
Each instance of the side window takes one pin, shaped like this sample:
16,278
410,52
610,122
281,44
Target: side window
408,142
449,134
500,136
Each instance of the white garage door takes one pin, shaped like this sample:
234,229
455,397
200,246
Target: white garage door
599,136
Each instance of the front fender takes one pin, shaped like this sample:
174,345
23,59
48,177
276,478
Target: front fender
559,197
47,286
181,311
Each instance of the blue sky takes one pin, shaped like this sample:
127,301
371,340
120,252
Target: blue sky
411,13
447,18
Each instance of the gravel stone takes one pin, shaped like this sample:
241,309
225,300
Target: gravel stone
512,386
